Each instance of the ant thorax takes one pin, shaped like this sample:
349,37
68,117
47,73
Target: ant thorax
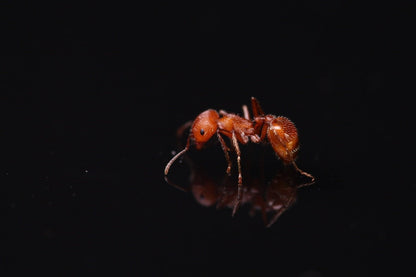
233,123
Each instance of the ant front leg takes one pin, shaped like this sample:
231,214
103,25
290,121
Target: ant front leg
240,177
225,149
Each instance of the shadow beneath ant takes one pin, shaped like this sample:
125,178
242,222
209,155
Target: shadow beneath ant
265,191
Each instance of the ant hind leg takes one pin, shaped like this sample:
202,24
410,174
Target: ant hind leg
305,174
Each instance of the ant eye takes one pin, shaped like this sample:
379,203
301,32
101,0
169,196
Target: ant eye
202,132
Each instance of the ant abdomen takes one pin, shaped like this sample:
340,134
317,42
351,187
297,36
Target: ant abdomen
283,137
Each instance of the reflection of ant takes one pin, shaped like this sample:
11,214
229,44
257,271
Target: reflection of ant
271,199
281,133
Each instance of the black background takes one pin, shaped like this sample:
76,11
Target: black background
95,93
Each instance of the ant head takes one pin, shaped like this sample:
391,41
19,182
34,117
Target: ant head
204,127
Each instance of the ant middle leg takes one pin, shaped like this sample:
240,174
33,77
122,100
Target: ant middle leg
260,128
240,177
226,154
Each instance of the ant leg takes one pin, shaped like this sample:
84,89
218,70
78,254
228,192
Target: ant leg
304,173
225,149
261,128
263,132
297,168
246,112
240,177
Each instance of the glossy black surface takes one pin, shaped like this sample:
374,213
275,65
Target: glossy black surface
94,98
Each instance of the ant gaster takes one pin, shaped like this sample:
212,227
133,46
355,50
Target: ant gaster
280,132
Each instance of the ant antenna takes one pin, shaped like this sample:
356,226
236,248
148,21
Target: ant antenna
177,156
174,159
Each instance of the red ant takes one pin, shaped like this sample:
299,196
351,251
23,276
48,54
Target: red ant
280,132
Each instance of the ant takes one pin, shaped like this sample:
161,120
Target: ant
280,132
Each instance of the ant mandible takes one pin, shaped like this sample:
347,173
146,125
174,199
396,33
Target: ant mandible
280,131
